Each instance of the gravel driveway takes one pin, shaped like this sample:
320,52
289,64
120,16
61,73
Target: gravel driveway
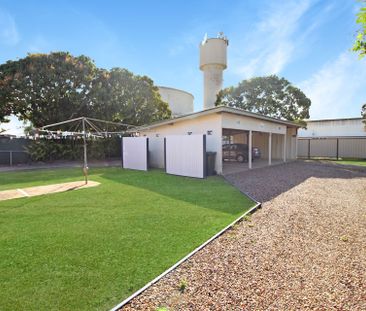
304,250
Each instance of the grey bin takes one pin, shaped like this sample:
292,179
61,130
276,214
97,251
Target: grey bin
210,163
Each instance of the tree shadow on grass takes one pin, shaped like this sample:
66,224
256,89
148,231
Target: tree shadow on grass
212,193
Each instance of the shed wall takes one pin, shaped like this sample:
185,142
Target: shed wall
233,121
342,127
209,125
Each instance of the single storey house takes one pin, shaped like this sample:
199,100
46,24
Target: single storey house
276,139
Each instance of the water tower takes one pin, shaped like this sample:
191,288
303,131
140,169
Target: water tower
213,62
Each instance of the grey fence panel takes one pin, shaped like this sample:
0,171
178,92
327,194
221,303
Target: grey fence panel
13,157
352,148
323,147
332,147
303,148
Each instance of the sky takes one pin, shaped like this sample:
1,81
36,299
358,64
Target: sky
306,41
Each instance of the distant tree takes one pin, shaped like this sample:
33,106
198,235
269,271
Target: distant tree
360,43
119,95
363,113
271,96
28,129
48,88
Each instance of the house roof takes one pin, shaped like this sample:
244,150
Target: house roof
218,109
340,119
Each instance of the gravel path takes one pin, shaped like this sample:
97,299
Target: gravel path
304,250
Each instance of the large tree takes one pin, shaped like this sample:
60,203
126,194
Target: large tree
360,43
122,96
363,113
271,96
48,88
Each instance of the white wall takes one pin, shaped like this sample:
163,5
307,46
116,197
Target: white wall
232,121
260,140
291,143
185,155
351,127
277,147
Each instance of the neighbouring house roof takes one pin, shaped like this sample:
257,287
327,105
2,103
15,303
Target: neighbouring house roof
330,120
218,109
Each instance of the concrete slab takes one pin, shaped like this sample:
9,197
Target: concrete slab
47,189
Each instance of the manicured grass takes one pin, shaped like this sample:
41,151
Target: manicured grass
352,162
89,249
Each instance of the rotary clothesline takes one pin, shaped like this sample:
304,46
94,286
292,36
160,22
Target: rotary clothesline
90,127
68,134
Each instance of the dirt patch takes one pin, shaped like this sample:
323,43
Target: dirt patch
48,189
304,250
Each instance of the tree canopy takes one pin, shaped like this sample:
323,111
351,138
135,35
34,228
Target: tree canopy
271,96
360,43
48,88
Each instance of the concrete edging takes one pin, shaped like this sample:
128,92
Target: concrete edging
141,290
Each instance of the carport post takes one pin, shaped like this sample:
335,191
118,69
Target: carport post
284,147
250,150
270,149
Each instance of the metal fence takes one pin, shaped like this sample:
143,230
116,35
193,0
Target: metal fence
331,147
13,157
13,151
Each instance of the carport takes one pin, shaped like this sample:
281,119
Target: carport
272,148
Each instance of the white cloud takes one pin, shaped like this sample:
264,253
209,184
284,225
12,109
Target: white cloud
8,31
338,88
271,45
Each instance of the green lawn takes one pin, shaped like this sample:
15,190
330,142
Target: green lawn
352,162
89,249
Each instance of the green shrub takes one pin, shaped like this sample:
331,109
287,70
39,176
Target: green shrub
46,150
